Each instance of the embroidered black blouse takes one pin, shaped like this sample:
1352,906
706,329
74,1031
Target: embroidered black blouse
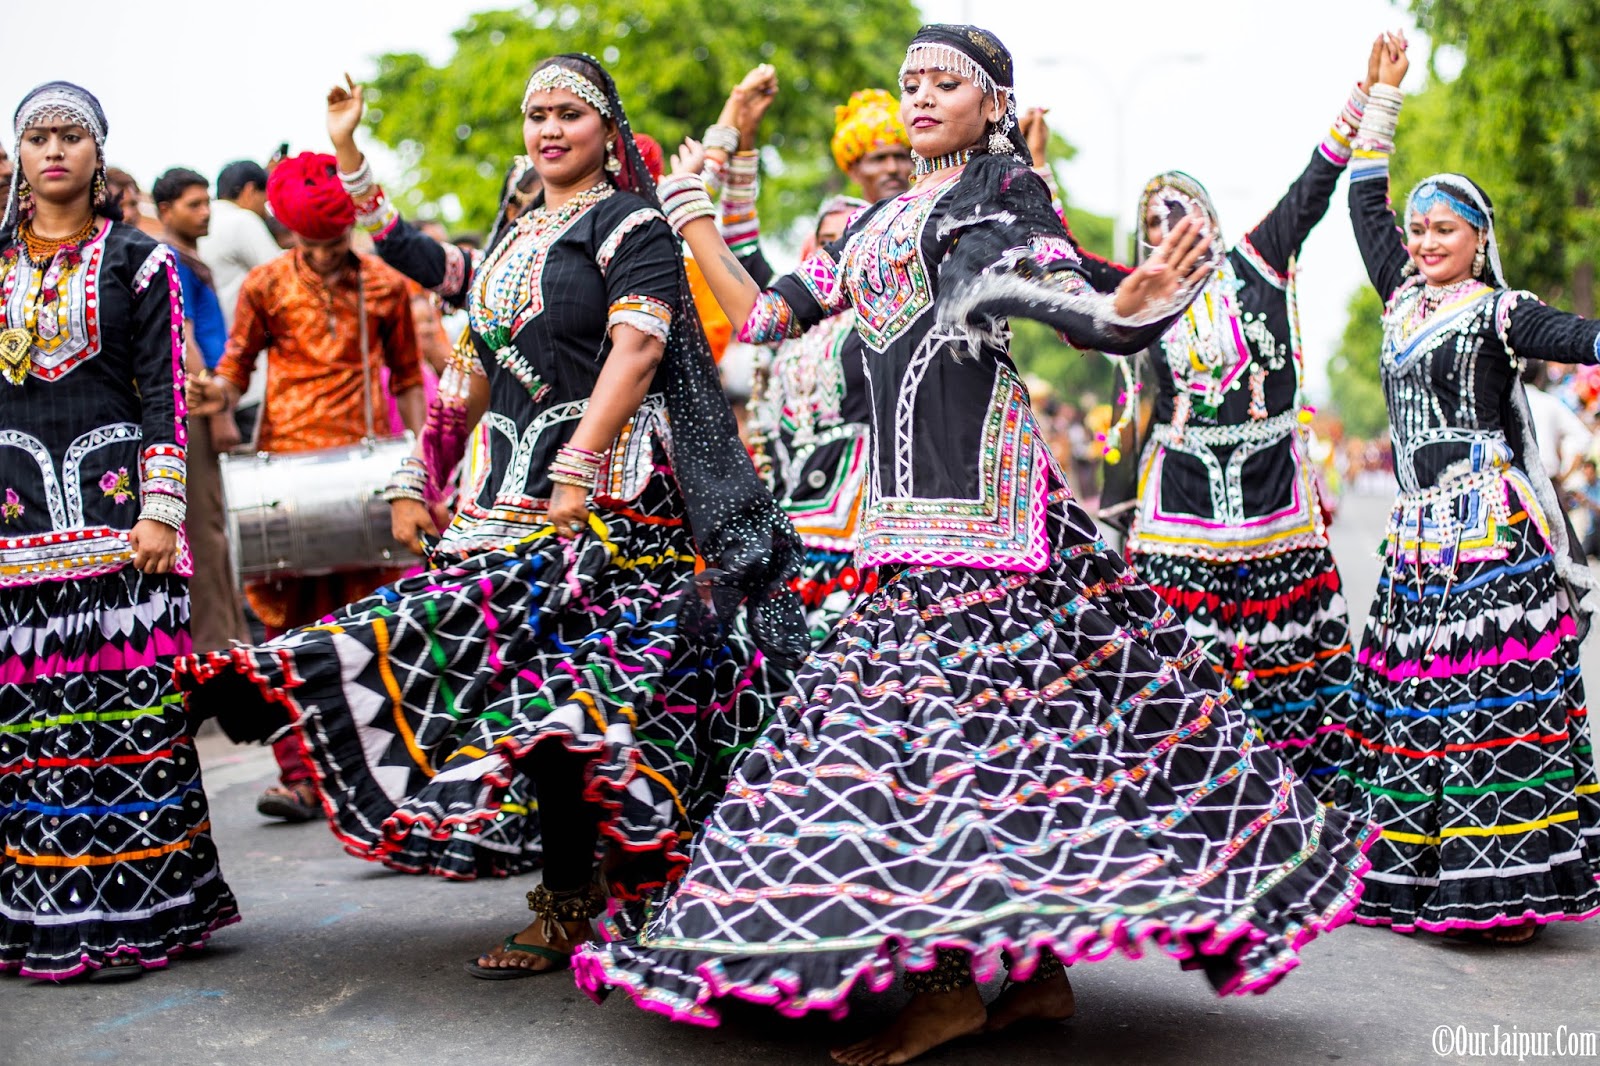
94,432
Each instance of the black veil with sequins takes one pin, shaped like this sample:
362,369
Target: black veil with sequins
746,540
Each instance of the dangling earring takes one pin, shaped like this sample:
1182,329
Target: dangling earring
1478,262
24,197
999,143
613,164
100,193
1409,269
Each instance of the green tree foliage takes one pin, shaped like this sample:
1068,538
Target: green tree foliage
1522,119
457,126
1353,371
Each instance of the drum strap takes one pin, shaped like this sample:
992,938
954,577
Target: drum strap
366,365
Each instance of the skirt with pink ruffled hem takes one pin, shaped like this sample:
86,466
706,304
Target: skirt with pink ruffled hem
999,763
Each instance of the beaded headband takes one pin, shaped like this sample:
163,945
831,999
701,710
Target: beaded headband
556,76
59,107
1430,194
945,57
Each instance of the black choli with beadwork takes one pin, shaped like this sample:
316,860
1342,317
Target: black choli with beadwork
96,421
1451,357
1257,273
540,312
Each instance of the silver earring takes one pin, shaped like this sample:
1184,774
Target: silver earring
999,143
1409,269
1478,262
613,164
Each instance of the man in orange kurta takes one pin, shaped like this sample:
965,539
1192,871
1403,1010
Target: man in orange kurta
301,309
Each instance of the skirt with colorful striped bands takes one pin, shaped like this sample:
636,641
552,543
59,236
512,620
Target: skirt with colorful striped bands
105,827
998,763
417,703
1277,632
1471,746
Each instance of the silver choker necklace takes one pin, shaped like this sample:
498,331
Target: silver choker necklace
924,167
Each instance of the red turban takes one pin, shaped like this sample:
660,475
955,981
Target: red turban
650,152
306,196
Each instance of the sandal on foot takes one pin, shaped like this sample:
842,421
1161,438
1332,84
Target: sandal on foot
291,803
561,959
554,910
116,972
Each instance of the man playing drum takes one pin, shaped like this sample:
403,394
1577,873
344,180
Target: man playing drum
304,310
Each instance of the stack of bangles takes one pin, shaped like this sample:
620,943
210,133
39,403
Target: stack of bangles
576,466
684,199
409,482
722,138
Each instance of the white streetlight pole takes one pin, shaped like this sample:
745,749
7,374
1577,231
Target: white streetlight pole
1120,97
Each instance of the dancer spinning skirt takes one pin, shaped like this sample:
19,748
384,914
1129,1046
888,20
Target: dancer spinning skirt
808,401
554,636
1011,752
1471,740
1228,526
108,865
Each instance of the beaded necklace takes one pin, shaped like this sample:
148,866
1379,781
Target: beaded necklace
52,262
509,291
924,167
1206,351
43,249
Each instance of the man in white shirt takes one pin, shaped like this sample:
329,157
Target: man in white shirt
239,242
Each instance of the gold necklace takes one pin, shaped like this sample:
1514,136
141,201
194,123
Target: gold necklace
43,249
17,342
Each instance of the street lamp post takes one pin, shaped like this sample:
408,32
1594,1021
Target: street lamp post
1120,97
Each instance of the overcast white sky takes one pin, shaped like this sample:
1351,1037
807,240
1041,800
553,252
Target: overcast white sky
1237,92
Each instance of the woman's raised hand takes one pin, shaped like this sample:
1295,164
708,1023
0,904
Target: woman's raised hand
1394,63
751,98
1374,61
690,158
1175,263
1036,132
344,112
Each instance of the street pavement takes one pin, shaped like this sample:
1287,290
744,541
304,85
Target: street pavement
341,961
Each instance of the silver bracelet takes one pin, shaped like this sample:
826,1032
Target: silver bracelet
725,138
166,509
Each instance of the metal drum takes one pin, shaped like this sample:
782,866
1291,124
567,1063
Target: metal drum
300,515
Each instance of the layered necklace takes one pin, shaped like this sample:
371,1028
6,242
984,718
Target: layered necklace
1205,348
52,262
509,290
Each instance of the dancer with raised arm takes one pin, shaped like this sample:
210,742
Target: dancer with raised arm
563,634
1011,753
808,402
1471,745
1228,523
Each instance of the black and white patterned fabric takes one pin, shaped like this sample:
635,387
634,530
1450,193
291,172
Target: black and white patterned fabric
998,763
103,820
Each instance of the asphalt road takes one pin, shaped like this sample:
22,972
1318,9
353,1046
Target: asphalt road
339,961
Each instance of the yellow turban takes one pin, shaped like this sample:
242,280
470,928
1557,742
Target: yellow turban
870,121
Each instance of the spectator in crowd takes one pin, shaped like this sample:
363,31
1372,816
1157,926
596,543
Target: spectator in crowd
183,205
304,310
123,186
1563,438
239,239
